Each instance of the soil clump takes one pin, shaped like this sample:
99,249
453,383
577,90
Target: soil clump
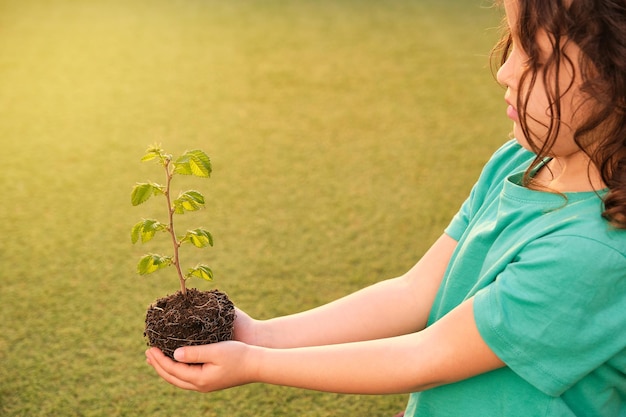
197,318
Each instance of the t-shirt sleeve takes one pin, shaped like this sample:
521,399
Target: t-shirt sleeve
551,315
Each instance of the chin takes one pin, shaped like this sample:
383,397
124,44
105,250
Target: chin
521,138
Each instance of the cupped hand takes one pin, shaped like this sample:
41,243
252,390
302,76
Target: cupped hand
205,368
246,328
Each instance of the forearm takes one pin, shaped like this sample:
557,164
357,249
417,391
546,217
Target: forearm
389,308
447,352
381,310
382,366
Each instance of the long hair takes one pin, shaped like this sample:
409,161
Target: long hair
598,28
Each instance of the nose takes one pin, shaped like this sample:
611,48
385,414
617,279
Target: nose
505,74
508,72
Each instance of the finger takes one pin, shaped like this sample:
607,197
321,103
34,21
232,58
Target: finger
174,373
157,361
194,354
182,371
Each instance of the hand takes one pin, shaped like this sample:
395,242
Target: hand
246,328
205,368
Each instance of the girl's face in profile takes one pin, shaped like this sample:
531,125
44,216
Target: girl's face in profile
538,113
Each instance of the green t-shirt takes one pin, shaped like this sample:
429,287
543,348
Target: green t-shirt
548,274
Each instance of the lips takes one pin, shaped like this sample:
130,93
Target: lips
511,111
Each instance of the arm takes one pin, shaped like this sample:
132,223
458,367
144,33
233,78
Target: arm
448,351
388,308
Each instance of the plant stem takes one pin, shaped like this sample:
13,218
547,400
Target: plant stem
170,228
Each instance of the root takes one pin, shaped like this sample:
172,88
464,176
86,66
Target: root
197,318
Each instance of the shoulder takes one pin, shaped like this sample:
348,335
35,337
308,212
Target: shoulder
509,158
593,254
577,232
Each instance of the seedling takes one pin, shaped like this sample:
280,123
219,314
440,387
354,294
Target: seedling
188,317
195,163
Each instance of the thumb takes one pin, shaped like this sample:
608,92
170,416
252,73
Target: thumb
192,354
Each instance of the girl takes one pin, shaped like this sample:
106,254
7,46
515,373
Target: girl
519,308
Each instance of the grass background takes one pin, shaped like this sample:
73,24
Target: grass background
343,135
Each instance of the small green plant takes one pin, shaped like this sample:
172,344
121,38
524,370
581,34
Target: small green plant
187,317
195,163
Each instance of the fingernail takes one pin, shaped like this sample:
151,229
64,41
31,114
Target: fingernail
179,354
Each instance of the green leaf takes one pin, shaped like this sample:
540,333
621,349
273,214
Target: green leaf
143,191
135,233
146,229
201,271
188,201
153,262
155,151
200,238
149,156
194,162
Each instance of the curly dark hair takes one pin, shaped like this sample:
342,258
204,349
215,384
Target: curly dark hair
598,28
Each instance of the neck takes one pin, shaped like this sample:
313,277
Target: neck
574,173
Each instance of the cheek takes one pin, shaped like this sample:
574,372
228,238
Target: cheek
536,116
539,114
537,124
538,107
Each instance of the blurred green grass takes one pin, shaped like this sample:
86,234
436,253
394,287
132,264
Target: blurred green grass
343,135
